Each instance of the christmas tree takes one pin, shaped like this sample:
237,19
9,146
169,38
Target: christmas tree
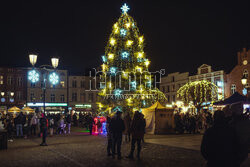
126,83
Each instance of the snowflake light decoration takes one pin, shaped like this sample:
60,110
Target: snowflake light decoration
125,54
53,78
118,92
133,84
123,32
33,76
112,70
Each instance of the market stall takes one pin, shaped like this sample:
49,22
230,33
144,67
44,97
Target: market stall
14,109
159,119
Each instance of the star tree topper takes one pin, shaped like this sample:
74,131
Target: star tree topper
125,8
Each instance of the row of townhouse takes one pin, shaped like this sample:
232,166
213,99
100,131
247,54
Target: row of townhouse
227,84
72,92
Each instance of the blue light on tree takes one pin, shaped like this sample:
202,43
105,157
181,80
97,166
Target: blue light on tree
104,59
112,70
125,54
140,60
133,84
125,8
53,78
117,92
33,76
123,32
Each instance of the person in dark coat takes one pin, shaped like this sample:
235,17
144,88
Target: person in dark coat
19,120
137,130
109,136
90,124
117,127
220,146
43,128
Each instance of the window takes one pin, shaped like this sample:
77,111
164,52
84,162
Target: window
173,87
90,98
62,98
41,97
32,97
82,97
82,84
233,88
10,80
74,96
32,85
168,97
62,84
163,89
1,80
168,88
172,78
173,98
19,81
245,73
74,84
19,95
52,98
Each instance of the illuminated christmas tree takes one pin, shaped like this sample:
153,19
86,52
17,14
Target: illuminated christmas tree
126,83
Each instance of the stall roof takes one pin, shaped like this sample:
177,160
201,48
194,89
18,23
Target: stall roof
236,97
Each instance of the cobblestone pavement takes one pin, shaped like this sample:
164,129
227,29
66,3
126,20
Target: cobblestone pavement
80,149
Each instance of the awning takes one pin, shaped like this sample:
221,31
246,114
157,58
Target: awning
14,109
236,97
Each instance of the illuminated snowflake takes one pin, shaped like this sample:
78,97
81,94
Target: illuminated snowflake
53,78
125,54
123,32
33,76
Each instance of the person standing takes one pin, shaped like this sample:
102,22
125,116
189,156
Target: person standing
127,123
68,121
109,136
51,126
117,127
33,123
137,131
90,123
43,128
19,125
220,146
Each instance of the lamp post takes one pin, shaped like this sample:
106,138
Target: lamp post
244,83
53,77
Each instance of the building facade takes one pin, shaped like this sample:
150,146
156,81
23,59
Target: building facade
13,86
233,79
82,93
171,83
205,72
56,96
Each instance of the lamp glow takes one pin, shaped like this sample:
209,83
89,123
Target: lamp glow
2,93
54,62
33,59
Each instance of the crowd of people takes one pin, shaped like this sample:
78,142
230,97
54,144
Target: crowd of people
117,126
192,123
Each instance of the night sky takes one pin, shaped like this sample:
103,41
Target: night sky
179,36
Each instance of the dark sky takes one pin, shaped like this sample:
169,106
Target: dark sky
180,36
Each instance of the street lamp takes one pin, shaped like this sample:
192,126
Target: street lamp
244,80
33,59
2,93
34,76
11,94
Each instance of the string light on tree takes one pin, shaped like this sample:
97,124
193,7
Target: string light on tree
111,56
123,32
112,41
129,42
113,70
125,54
104,59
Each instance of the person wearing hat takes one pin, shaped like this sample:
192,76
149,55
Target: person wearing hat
117,127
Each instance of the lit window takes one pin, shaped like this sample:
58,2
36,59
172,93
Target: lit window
1,80
233,88
245,73
62,83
